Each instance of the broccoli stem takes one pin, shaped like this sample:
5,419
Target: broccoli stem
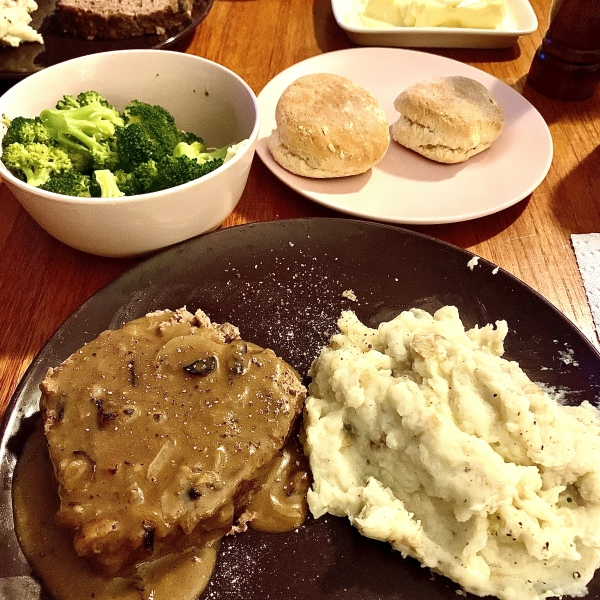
108,184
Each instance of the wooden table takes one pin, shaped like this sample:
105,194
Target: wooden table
42,281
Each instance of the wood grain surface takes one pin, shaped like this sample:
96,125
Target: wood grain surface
43,281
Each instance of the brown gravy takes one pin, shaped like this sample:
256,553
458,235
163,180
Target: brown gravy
279,506
163,436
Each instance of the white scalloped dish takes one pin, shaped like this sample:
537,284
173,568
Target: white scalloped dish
520,20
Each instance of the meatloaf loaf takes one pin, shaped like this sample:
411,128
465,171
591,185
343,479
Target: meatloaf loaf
114,19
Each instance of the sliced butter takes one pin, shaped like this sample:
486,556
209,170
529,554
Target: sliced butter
478,14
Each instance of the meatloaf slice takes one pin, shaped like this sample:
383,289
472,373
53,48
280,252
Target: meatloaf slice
157,430
114,19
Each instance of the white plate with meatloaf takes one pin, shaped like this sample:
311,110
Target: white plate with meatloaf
404,187
58,46
284,284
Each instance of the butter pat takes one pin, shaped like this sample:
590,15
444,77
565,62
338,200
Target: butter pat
478,14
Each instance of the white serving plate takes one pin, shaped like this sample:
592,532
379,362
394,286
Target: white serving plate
405,187
520,20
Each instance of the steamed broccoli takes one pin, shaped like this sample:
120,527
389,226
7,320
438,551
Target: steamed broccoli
86,147
89,129
146,147
69,183
83,99
153,176
26,131
198,151
142,179
189,138
101,184
67,103
134,147
177,170
82,161
150,132
35,163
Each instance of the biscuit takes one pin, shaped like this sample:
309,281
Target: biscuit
447,119
327,126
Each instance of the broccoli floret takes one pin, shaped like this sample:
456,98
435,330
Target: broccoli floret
191,149
92,97
176,170
87,129
134,147
82,161
141,180
104,185
35,163
198,152
69,102
150,132
26,131
189,138
69,183
129,183
154,176
170,171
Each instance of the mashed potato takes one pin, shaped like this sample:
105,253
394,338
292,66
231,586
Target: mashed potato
424,436
15,22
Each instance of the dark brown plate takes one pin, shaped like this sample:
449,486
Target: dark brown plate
16,63
282,283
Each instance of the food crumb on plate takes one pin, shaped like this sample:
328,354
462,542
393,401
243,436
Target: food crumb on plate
473,262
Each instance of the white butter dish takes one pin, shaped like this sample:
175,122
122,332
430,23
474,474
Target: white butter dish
520,20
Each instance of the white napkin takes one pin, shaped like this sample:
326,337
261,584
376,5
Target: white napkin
587,252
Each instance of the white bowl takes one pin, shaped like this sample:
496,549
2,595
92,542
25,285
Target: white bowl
520,20
204,97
